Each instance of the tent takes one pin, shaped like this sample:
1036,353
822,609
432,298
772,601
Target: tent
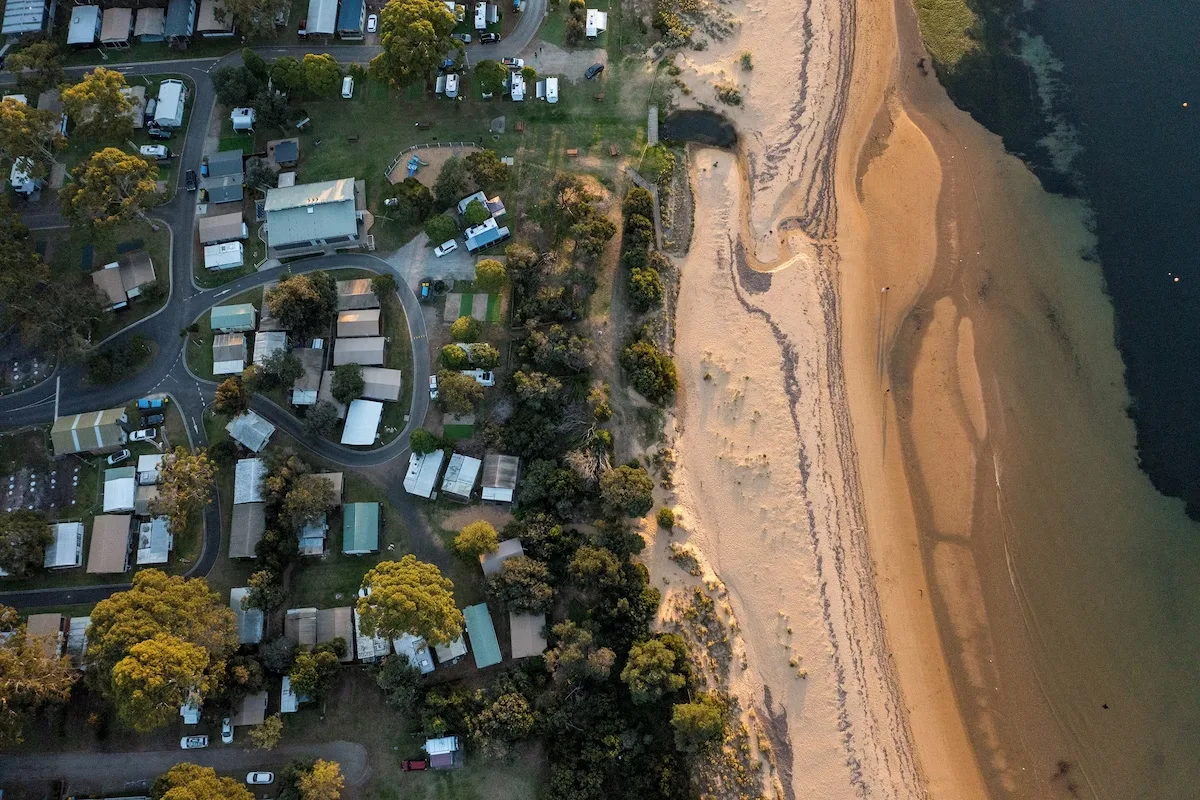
364,350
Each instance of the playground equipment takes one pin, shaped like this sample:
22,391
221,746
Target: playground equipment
414,164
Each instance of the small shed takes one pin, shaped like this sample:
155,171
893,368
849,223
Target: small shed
444,753
364,350
120,484
356,293
220,228
362,423
283,152
248,477
236,318
484,645
251,431
243,119
499,484
461,477
155,542
380,383
370,649
360,528
312,537
143,496
491,562
289,701
528,632
249,620
358,322
229,353
423,469
65,550
267,343
209,22
595,23
109,550
252,711
246,529
451,653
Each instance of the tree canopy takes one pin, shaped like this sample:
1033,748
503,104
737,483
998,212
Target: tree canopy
627,491
38,67
231,397
476,539
109,187
303,303
415,37
699,724
323,781
30,133
30,678
650,370
451,183
458,393
24,536
656,667
491,76
465,329
414,202
487,170
309,498
254,19
97,107
476,213
348,383
322,74
156,678
422,441
575,658
522,585
235,86
409,596
440,228
490,276
192,782
267,735
321,419
185,486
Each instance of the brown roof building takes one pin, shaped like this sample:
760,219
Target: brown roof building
246,529
109,550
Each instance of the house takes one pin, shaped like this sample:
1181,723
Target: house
143,496
252,711
155,542
229,353
491,562
360,528
77,628
371,649
180,21
27,16
495,206
499,484
116,27
119,487
236,318
46,631
149,469
150,24
336,480
267,343
246,529
444,753
484,235
358,322
283,153
248,477
516,87
451,653
481,16
209,23
362,423
221,228
20,177
322,17
300,626
227,255
548,90
65,550
416,651
528,632
365,350
109,549
325,394
84,28
461,476
356,294
172,97
423,469
306,387
250,431
224,175
122,281
485,647
380,383
311,216
249,620
312,537
92,432
337,623
352,20
243,119
289,701
595,23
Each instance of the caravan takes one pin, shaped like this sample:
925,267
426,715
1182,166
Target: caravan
172,96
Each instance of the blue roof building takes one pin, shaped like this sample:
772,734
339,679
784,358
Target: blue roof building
351,19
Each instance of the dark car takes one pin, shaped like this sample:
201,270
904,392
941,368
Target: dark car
593,71
189,180
426,291
155,132
489,38
413,765
153,419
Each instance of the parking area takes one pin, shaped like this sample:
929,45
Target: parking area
415,261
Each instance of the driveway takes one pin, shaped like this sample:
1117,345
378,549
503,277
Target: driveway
416,260
115,772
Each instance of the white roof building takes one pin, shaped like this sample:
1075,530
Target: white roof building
66,548
242,119
415,649
450,653
190,711
370,648
149,469
596,23
516,87
322,17
481,16
247,480
492,562
548,90
362,422
229,353
423,472
119,487
227,255
461,476
84,27
267,343
249,620
172,95
251,431
289,701
155,542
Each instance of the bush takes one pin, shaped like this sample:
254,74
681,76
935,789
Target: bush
484,356
747,61
728,94
476,539
321,420
422,441
440,229
650,370
384,284
575,31
454,357
666,518
476,213
490,276
638,202
347,383
414,202
466,329
645,289
457,393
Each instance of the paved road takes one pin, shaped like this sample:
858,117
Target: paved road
115,772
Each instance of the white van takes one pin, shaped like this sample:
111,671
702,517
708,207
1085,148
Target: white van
347,87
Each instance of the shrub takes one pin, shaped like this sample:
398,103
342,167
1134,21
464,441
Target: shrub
348,383
422,441
440,229
666,518
466,329
747,61
476,213
645,289
321,420
728,94
490,276
454,357
476,539
650,370
638,202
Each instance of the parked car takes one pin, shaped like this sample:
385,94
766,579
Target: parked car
433,392
193,742
227,730
117,457
372,23
445,247
426,290
260,778
153,419
190,180
144,435
465,38
413,765
513,63
155,132
593,71
446,65
489,38
145,403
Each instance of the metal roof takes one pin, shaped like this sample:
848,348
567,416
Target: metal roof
84,25
528,633
333,623
322,16
246,529
119,487
109,550
251,430
181,18
310,211
362,422
360,528
303,195
24,16
350,18
150,22
358,322
229,353
380,383
223,163
238,317
500,477
253,710
91,430
208,22
267,343
249,620
485,647
221,227
66,548
422,473
369,648
492,562
356,293
116,25
300,626
461,475
365,350
247,480
154,542
415,649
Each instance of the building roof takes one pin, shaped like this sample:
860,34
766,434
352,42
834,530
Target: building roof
312,537
491,562
150,22
229,353
360,528
116,25
76,647
365,350
309,211
221,228
225,255
422,474
249,620
466,201
208,22
246,529
89,431
289,701
350,18
446,744
225,163
461,475
252,711
237,317
109,550
66,548
484,645
23,16
362,422
149,468
143,496
380,383
251,431
108,281
300,626
369,648
325,393
333,623
446,653
596,22
356,293
500,477
120,485
180,19
154,542
266,320
358,322
415,649
248,477
336,480
306,387
85,21
484,234
45,630
528,632
267,343
322,16
284,151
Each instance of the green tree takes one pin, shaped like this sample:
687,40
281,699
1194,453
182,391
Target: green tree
253,19
645,289
287,74
700,724
650,370
231,397
488,171
97,107
522,585
476,539
267,735
383,285
323,782
321,419
466,329
414,202
422,441
156,678
458,393
400,682
24,536
592,234
537,389
440,228
451,183
415,37
192,782
656,667
38,67
303,303
322,74
254,62
638,202
491,76
31,679
309,498
235,86
271,109
347,383
575,657
490,276
555,349
597,400
312,674
109,187
280,369
409,596
278,655
266,591
574,31
476,213
595,567
453,356
185,487
484,356
627,491
507,720
29,133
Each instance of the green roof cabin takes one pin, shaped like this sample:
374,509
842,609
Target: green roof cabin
360,529
237,318
484,644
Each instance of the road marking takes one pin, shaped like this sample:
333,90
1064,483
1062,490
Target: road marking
196,429
227,291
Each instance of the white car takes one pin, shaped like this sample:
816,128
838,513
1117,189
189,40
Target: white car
227,730
433,392
372,23
117,457
193,742
260,778
445,247
144,435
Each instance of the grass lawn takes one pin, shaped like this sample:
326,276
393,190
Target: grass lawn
397,355
452,433
199,344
